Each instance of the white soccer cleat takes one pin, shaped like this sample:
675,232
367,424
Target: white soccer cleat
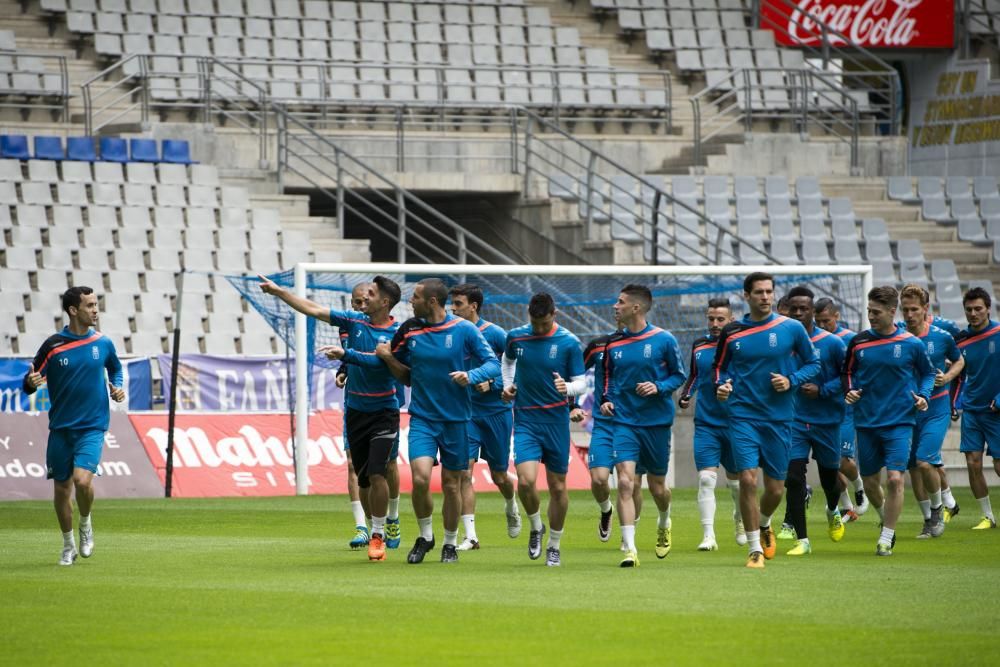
468,545
741,534
86,542
861,507
708,544
513,524
69,555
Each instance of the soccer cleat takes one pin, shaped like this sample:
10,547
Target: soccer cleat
767,542
708,544
631,559
809,495
848,516
449,554
514,524
376,547
861,503
86,541
604,526
949,512
925,531
801,548
787,532
756,561
552,557
69,555
662,542
835,526
535,543
468,545
419,550
985,524
883,549
937,523
360,538
392,534
739,532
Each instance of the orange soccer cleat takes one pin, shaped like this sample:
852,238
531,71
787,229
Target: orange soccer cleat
768,542
376,547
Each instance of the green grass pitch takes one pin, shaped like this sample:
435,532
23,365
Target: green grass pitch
271,581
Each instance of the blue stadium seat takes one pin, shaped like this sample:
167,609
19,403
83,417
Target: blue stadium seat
80,149
144,150
14,146
49,148
114,149
177,151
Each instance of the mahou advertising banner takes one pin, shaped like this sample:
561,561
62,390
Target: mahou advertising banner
873,24
250,454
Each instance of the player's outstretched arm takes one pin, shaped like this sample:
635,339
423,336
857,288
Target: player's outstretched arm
301,304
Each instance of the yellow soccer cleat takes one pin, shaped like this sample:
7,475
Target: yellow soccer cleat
835,526
756,561
631,559
662,542
985,524
801,548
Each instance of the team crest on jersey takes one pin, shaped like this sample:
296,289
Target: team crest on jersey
897,351
772,339
413,343
647,351
448,341
930,347
553,350
94,352
993,347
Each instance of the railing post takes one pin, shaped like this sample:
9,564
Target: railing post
855,158
400,227
341,195
696,112
513,141
282,157
748,96
589,228
262,102
400,142
527,153
825,45
144,91
806,100
88,110
207,90
462,248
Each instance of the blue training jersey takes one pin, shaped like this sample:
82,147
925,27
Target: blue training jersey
432,352
943,324
941,348
593,357
829,407
77,370
748,352
887,370
538,358
489,403
370,385
650,355
980,380
846,335
708,410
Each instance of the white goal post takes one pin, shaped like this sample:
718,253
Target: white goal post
621,273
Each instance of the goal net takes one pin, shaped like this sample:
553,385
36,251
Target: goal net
584,297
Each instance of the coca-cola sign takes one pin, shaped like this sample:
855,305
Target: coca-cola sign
873,24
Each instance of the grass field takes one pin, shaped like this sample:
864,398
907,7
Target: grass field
271,581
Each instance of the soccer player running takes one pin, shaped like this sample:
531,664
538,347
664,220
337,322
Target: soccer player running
372,407
601,453
980,395
642,370
827,317
538,358
432,352
888,378
819,413
491,423
82,369
759,362
931,425
711,427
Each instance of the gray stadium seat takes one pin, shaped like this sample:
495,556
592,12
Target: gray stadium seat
814,251
971,230
874,229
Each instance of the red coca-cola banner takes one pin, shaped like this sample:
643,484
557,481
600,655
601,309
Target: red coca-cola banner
873,24
250,454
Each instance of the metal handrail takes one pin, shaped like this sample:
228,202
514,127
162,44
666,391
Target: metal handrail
32,99
968,18
121,91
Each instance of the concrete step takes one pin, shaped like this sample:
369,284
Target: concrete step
923,232
287,205
888,211
962,253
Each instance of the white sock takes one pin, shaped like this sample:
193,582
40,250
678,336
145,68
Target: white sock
881,512
936,500
753,541
857,484
947,498
451,537
886,536
925,508
426,526
510,505
845,501
605,506
987,508
554,537
469,523
706,499
68,540
734,491
359,514
378,525
535,520
628,536
765,520
663,520
84,521
393,508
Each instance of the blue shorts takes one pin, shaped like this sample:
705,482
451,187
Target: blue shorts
848,439
761,444
489,437
427,438
822,439
73,448
979,428
712,447
347,447
648,446
548,443
928,437
887,447
602,445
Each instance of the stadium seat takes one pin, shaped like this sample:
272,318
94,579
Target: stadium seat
176,151
14,146
10,171
80,149
49,148
143,150
971,230
114,149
